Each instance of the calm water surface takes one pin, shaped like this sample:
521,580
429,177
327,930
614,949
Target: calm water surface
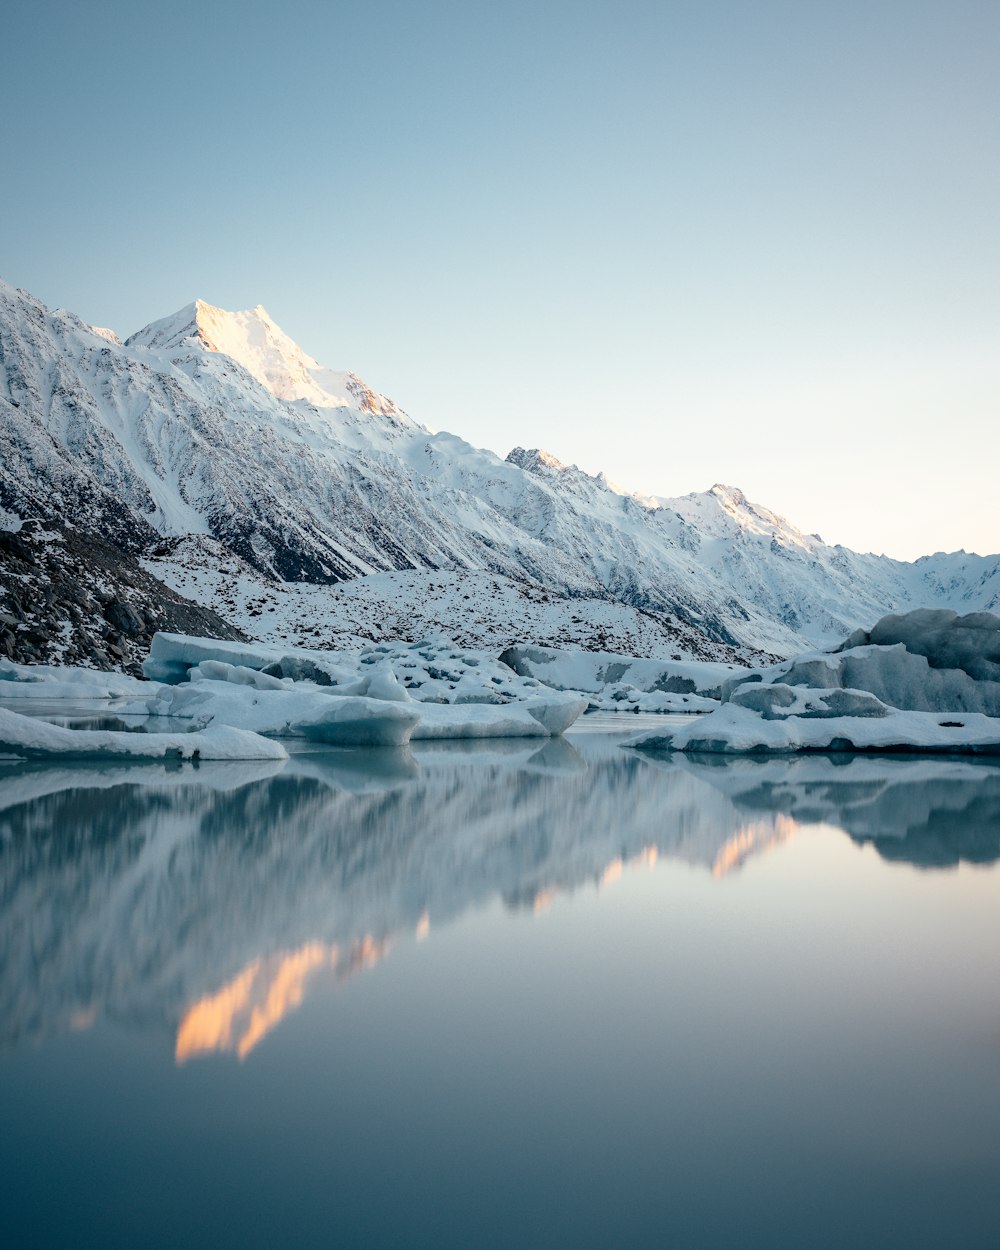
501,994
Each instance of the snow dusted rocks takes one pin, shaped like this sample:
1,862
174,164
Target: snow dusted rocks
73,598
927,681
28,738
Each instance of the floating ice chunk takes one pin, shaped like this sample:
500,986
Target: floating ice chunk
555,714
733,729
172,655
63,681
295,713
535,719
35,739
323,672
357,722
323,714
775,702
945,639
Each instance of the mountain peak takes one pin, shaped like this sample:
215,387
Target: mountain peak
730,495
253,339
535,460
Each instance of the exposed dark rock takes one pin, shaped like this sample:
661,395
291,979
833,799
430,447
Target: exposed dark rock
69,597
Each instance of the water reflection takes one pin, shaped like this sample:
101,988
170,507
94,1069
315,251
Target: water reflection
204,901
929,813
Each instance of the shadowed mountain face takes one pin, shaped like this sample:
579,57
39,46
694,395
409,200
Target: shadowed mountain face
202,902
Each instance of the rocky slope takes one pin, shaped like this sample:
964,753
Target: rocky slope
71,598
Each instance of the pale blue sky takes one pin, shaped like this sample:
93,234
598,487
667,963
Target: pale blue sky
681,242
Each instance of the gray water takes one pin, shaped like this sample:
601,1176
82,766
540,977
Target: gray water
501,994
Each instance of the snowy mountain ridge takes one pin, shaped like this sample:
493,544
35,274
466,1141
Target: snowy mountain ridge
253,340
217,424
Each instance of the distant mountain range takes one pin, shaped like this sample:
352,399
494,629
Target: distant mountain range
248,476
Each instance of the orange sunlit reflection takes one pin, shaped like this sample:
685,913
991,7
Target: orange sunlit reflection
645,858
256,1000
756,836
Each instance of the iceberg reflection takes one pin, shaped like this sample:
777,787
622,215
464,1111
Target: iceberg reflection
204,902
931,813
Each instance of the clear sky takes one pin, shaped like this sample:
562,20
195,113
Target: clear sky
717,240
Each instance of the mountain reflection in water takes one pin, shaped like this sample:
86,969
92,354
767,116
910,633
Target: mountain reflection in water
204,901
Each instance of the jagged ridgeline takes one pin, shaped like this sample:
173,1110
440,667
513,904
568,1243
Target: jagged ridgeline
209,446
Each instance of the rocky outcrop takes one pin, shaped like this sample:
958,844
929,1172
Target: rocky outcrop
68,597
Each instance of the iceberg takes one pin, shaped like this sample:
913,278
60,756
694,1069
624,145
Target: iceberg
28,738
60,681
622,682
292,713
321,714
923,661
384,695
928,681
733,729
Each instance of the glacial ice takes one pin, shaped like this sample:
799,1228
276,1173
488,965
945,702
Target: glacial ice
622,682
948,641
323,714
386,695
926,681
442,690
60,681
28,738
923,661
732,729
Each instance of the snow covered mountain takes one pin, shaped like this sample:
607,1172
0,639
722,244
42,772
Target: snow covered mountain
293,477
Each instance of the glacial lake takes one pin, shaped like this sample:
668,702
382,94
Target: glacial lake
501,994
